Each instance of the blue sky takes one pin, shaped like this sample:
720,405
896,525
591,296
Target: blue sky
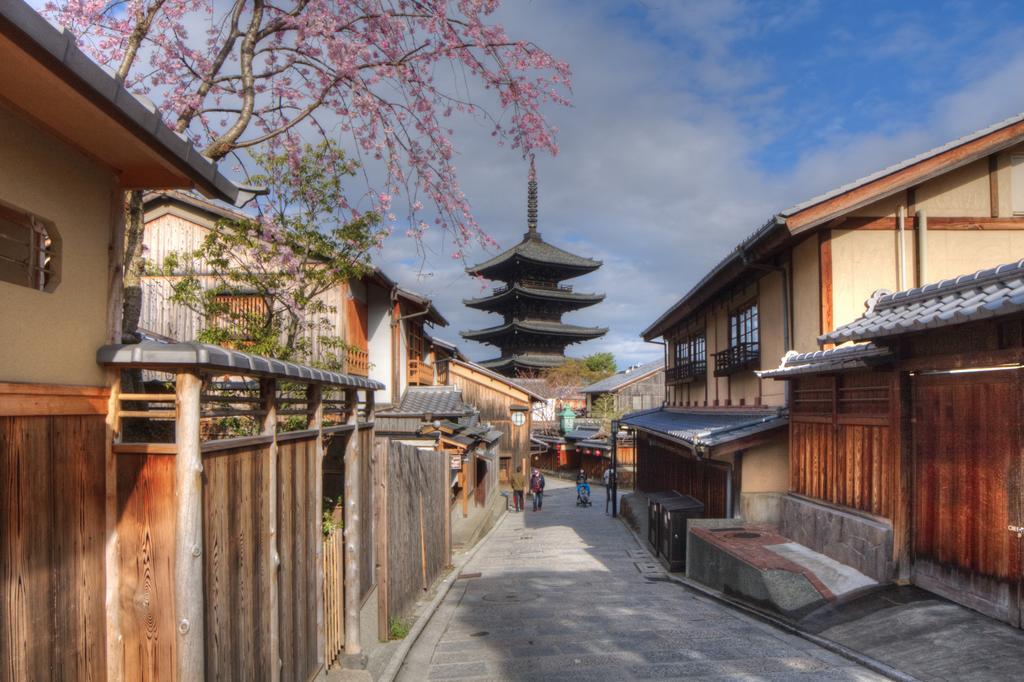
694,121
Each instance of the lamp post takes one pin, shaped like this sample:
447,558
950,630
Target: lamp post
613,477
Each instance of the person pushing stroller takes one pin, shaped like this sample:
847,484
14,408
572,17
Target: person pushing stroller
582,490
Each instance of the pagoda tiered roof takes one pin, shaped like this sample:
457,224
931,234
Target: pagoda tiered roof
542,328
533,300
525,361
534,251
561,296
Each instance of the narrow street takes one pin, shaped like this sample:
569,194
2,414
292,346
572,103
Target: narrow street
568,594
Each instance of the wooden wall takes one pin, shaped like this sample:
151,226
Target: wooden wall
666,466
495,400
237,576
417,487
145,529
844,441
367,507
52,617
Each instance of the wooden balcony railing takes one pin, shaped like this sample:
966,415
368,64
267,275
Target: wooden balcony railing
737,358
537,284
420,373
687,371
357,362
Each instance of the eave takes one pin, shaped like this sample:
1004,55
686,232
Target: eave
569,300
565,331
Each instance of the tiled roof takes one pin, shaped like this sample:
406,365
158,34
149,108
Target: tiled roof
541,387
534,396
529,360
987,293
624,378
432,400
582,434
706,428
539,327
581,299
889,170
171,356
536,249
841,359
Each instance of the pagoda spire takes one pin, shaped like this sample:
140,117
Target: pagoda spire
531,200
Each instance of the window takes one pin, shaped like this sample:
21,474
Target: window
29,250
744,346
690,358
743,327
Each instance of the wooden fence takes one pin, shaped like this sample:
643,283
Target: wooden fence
417,538
844,445
52,618
334,595
238,567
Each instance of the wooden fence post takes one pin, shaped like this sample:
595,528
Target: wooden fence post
315,405
383,627
188,537
268,403
353,648
115,643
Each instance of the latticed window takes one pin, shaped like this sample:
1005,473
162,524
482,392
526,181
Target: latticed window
743,326
744,350
235,307
690,358
29,251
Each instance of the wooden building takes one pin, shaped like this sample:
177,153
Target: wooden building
805,272
532,300
637,388
383,323
73,140
505,405
917,426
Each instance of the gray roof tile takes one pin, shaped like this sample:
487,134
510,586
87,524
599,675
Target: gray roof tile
841,359
710,428
624,378
985,293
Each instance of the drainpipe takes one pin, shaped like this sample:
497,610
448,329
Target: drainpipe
922,248
901,246
664,397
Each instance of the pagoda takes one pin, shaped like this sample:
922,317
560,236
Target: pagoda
532,300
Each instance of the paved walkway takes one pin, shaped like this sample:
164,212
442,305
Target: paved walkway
567,594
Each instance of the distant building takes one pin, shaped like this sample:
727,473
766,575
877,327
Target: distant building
555,398
640,387
532,336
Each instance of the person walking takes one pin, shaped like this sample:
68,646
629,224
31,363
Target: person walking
537,488
518,483
607,476
581,477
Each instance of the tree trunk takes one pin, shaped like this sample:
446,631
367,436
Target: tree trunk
134,266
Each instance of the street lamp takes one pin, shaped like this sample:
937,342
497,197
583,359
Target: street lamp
613,477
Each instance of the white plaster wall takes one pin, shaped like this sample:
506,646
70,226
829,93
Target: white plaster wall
379,330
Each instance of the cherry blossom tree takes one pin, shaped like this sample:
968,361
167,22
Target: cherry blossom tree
383,77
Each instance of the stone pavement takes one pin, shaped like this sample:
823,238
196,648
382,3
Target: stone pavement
568,594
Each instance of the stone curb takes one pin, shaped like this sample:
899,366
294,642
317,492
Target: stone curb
771,619
398,659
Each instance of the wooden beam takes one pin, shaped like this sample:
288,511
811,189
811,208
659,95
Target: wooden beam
188,537
315,403
115,643
914,174
268,401
353,647
993,184
945,223
994,358
825,281
381,446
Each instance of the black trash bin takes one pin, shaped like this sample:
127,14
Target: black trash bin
674,515
654,501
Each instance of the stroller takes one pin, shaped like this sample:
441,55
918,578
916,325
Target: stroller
583,494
